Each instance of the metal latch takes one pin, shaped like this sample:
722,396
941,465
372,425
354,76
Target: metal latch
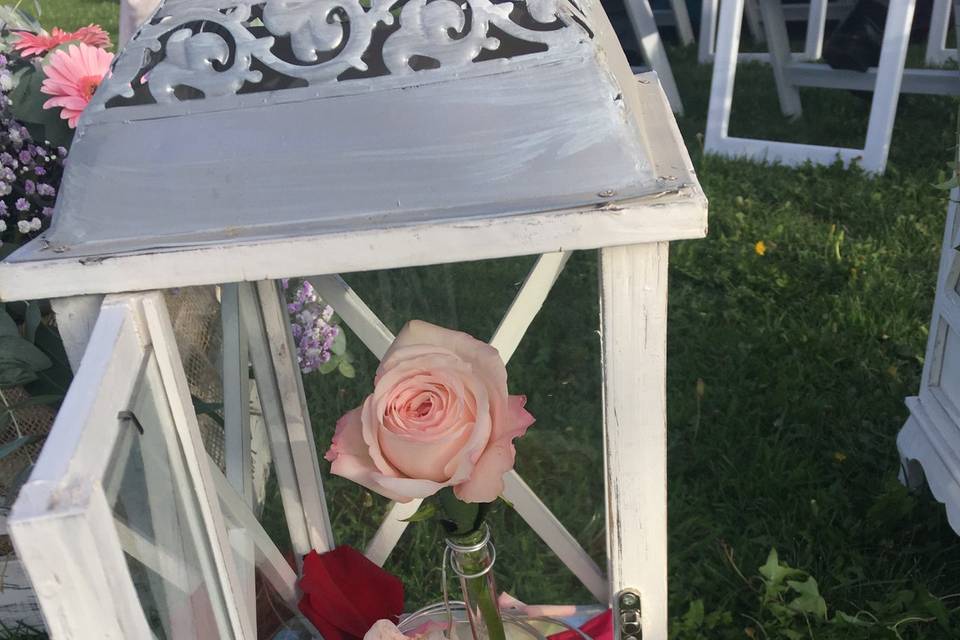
628,615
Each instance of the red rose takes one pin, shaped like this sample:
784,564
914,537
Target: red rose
344,593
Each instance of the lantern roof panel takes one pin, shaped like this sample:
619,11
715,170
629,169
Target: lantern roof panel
225,121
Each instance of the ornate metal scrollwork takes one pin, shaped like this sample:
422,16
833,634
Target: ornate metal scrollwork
203,50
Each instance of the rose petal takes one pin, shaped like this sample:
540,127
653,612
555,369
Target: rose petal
465,346
344,593
486,482
351,459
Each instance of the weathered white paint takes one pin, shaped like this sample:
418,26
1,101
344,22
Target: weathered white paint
633,310
929,442
275,420
75,319
61,524
886,92
238,454
676,213
303,450
528,302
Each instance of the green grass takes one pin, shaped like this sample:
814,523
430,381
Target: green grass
805,355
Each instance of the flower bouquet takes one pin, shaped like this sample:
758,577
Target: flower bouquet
46,81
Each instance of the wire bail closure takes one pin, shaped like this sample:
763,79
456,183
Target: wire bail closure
450,554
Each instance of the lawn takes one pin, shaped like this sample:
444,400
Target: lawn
787,373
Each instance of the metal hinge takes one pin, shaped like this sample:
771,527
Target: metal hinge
628,615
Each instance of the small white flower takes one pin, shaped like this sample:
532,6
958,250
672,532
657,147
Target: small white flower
23,226
35,224
3,226
6,81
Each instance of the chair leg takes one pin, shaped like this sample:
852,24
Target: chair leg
754,23
708,31
724,73
682,17
886,93
645,27
816,27
775,26
937,37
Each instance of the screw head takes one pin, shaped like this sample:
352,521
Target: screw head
629,601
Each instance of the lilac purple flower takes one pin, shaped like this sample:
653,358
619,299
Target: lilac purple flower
26,202
312,326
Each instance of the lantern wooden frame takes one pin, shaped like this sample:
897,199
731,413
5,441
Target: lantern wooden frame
629,129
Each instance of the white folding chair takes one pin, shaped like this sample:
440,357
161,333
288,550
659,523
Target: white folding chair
937,51
651,46
677,16
886,82
815,14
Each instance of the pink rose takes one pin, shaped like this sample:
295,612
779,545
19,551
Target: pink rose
439,416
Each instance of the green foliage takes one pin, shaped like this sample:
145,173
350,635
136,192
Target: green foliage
27,107
21,361
696,624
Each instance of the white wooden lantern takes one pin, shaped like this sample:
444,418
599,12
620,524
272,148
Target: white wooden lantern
929,442
238,142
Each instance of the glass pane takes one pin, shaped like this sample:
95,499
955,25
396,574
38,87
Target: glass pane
195,315
159,522
556,365
275,619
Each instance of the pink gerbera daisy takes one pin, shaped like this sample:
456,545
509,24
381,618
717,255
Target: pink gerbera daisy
73,74
35,44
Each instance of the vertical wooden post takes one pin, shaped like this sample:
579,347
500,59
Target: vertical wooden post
633,311
76,316
238,456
